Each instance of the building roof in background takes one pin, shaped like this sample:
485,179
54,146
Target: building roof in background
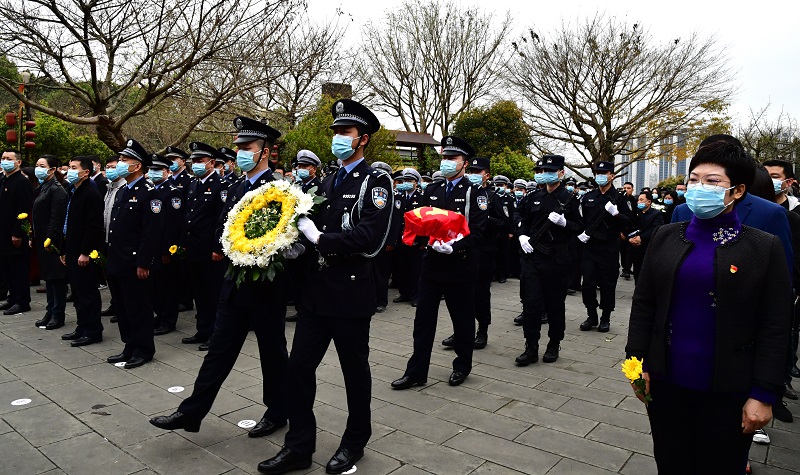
405,138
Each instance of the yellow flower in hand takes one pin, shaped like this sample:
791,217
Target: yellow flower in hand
94,254
47,243
173,249
632,368
22,216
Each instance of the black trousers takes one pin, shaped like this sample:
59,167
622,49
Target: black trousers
233,323
625,256
133,301
312,336
381,270
185,292
166,298
87,301
206,279
682,446
545,282
483,289
576,259
637,258
409,262
514,253
502,256
600,267
16,268
461,307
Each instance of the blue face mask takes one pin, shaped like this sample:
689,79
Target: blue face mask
342,146
123,169
601,180
500,189
655,196
111,174
641,205
475,178
706,203
156,176
244,159
226,167
538,178
423,185
448,168
72,177
681,193
777,185
668,202
405,186
8,165
570,188
41,173
199,169
303,174
549,178
173,168
519,194
581,192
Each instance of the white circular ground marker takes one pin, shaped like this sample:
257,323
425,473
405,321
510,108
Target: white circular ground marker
121,364
352,470
246,424
20,402
176,389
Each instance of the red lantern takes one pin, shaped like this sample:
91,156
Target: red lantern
11,119
29,134
30,145
274,154
29,124
11,136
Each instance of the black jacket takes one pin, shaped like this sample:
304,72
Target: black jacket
16,196
204,203
49,213
603,228
646,224
753,308
84,222
174,212
136,230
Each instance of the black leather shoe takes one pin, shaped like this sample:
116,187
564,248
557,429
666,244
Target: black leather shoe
481,339
71,336
118,358
519,319
175,421
184,308
456,378
55,323
380,309
135,362
343,460
109,312
204,346
407,382
70,297
86,340
795,372
6,306
781,412
113,319
162,330
571,292
530,355
588,324
789,393
449,342
292,318
43,322
604,327
401,299
502,281
551,353
286,461
194,339
413,303
16,309
265,427
545,319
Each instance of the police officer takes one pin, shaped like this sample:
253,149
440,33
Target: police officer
16,197
181,178
134,242
606,213
229,175
549,218
351,228
513,246
501,212
206,266
409,258
385,262
449,269
256,305
165,304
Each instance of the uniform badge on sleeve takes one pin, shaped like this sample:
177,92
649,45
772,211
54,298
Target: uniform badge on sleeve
176,203
155,206
483,203
223,195
379,197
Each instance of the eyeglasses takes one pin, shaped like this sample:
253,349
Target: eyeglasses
708,182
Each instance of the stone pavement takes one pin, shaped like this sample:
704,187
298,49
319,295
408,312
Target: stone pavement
575,416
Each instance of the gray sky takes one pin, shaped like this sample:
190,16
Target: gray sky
760,38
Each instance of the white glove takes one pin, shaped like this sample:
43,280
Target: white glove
557,219
294,251
309,229
524,243
443,247
612,209
584,238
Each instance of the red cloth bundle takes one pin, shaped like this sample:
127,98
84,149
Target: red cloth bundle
436,223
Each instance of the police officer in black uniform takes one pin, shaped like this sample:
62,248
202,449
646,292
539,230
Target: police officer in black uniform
548,219
165,303
204,203
256,305
383,263
228,156
181,178
351,228
513,246
606,213
449,269
134,255
409,258
501,216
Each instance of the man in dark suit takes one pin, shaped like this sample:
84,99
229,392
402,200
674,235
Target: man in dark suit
83,234
351,228
134,242
100,180
647,221
256,305
16,196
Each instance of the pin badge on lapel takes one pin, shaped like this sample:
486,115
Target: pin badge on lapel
734,269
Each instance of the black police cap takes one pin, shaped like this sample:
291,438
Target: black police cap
552,162
604,167
452,146
348,112
200,149
479,163
229,154
136,151
157,160
176,152
248,130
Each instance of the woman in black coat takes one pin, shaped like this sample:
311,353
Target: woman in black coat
710,317
49,213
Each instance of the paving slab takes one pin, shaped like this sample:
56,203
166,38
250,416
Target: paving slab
90,453
19,456
32,424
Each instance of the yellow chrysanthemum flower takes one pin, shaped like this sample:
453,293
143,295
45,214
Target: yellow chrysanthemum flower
94,254
47,243
173,249
632,368
22,216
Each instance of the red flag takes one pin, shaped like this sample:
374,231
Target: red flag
436,223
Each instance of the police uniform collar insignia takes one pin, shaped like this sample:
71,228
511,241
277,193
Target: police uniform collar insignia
355,175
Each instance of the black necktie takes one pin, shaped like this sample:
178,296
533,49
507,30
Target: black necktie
339,177
247,185
449,188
